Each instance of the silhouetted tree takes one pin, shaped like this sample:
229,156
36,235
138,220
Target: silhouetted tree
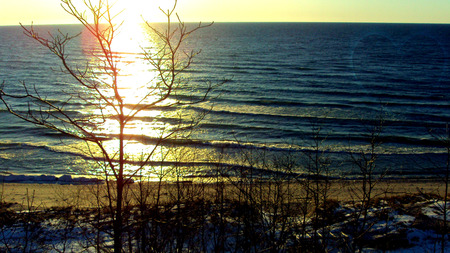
366,161
442,136
98,85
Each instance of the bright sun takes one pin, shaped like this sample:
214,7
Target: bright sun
136,11
132,14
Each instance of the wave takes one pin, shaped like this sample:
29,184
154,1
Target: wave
281,84
334,144
264,124
337,154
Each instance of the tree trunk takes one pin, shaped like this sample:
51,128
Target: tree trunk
118,221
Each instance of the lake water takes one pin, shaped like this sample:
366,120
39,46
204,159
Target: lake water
284,78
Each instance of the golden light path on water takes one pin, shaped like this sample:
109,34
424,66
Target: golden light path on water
136,78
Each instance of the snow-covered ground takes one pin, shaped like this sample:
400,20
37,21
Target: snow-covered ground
411,225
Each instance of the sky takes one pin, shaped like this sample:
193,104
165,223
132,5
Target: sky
384,11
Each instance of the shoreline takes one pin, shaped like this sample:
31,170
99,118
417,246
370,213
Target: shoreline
49,195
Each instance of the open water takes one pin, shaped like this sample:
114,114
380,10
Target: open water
285,78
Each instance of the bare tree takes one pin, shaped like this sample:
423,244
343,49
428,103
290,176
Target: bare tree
442,136
98,85
371,174
317,184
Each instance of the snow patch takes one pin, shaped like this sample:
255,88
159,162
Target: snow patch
436,210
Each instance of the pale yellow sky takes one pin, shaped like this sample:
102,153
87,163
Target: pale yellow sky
403,11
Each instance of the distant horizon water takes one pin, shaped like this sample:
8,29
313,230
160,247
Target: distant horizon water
285,79
253,22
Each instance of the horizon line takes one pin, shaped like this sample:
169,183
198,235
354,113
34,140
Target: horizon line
218,22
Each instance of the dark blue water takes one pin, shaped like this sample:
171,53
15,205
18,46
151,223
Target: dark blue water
284,78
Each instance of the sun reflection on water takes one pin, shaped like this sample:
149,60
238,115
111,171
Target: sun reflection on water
136,78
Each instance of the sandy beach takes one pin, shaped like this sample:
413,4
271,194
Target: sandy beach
43,195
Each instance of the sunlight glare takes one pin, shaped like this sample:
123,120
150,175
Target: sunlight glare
139,11
137,84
